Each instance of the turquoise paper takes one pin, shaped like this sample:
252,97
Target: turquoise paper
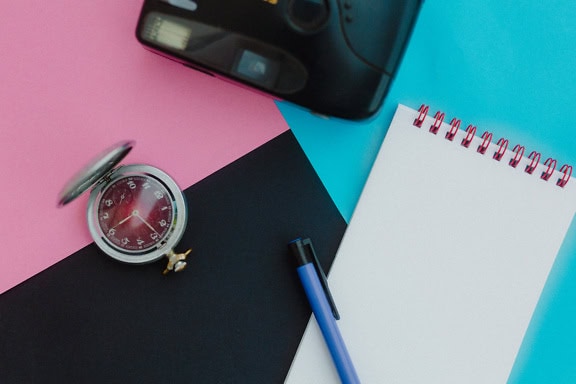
505,66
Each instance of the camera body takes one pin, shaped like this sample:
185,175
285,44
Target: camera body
334,57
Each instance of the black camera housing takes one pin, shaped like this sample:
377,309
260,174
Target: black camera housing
334,57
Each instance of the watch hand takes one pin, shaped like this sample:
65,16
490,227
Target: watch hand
123,220
135,213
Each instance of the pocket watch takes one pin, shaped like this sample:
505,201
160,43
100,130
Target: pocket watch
136,213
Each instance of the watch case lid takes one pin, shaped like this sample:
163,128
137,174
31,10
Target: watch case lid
94,171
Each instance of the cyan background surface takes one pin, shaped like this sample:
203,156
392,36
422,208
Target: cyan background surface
504,66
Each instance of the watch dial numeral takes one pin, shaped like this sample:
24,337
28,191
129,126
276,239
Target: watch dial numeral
146,185
111,232
159,195
105,216
125,241
108,202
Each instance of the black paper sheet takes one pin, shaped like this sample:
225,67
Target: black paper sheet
236,314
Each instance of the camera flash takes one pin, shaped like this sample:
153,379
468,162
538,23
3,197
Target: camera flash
167,32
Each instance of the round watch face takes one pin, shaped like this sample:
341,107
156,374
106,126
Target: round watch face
137,215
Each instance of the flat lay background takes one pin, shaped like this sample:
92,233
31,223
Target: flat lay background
73,80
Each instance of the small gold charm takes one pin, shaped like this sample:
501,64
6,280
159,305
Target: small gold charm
176,261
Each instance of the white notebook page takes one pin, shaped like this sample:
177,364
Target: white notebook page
442,264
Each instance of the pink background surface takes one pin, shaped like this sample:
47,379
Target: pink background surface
74,80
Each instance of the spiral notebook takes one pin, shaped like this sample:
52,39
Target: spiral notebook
445,257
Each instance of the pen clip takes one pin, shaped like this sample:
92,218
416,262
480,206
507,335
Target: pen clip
306,246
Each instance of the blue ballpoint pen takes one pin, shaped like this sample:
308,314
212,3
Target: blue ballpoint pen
316,288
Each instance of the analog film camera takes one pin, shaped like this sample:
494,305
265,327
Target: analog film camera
333,57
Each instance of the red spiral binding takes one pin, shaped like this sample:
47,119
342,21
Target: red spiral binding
503,146
438,120
551,163
421,116
518,151
470,133
454,127
487,136
566,173
535,157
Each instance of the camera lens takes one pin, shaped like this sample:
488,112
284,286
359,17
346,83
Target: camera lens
308,15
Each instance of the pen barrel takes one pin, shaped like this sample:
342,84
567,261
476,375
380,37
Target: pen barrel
327,323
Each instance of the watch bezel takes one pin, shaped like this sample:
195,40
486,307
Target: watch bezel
168,242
